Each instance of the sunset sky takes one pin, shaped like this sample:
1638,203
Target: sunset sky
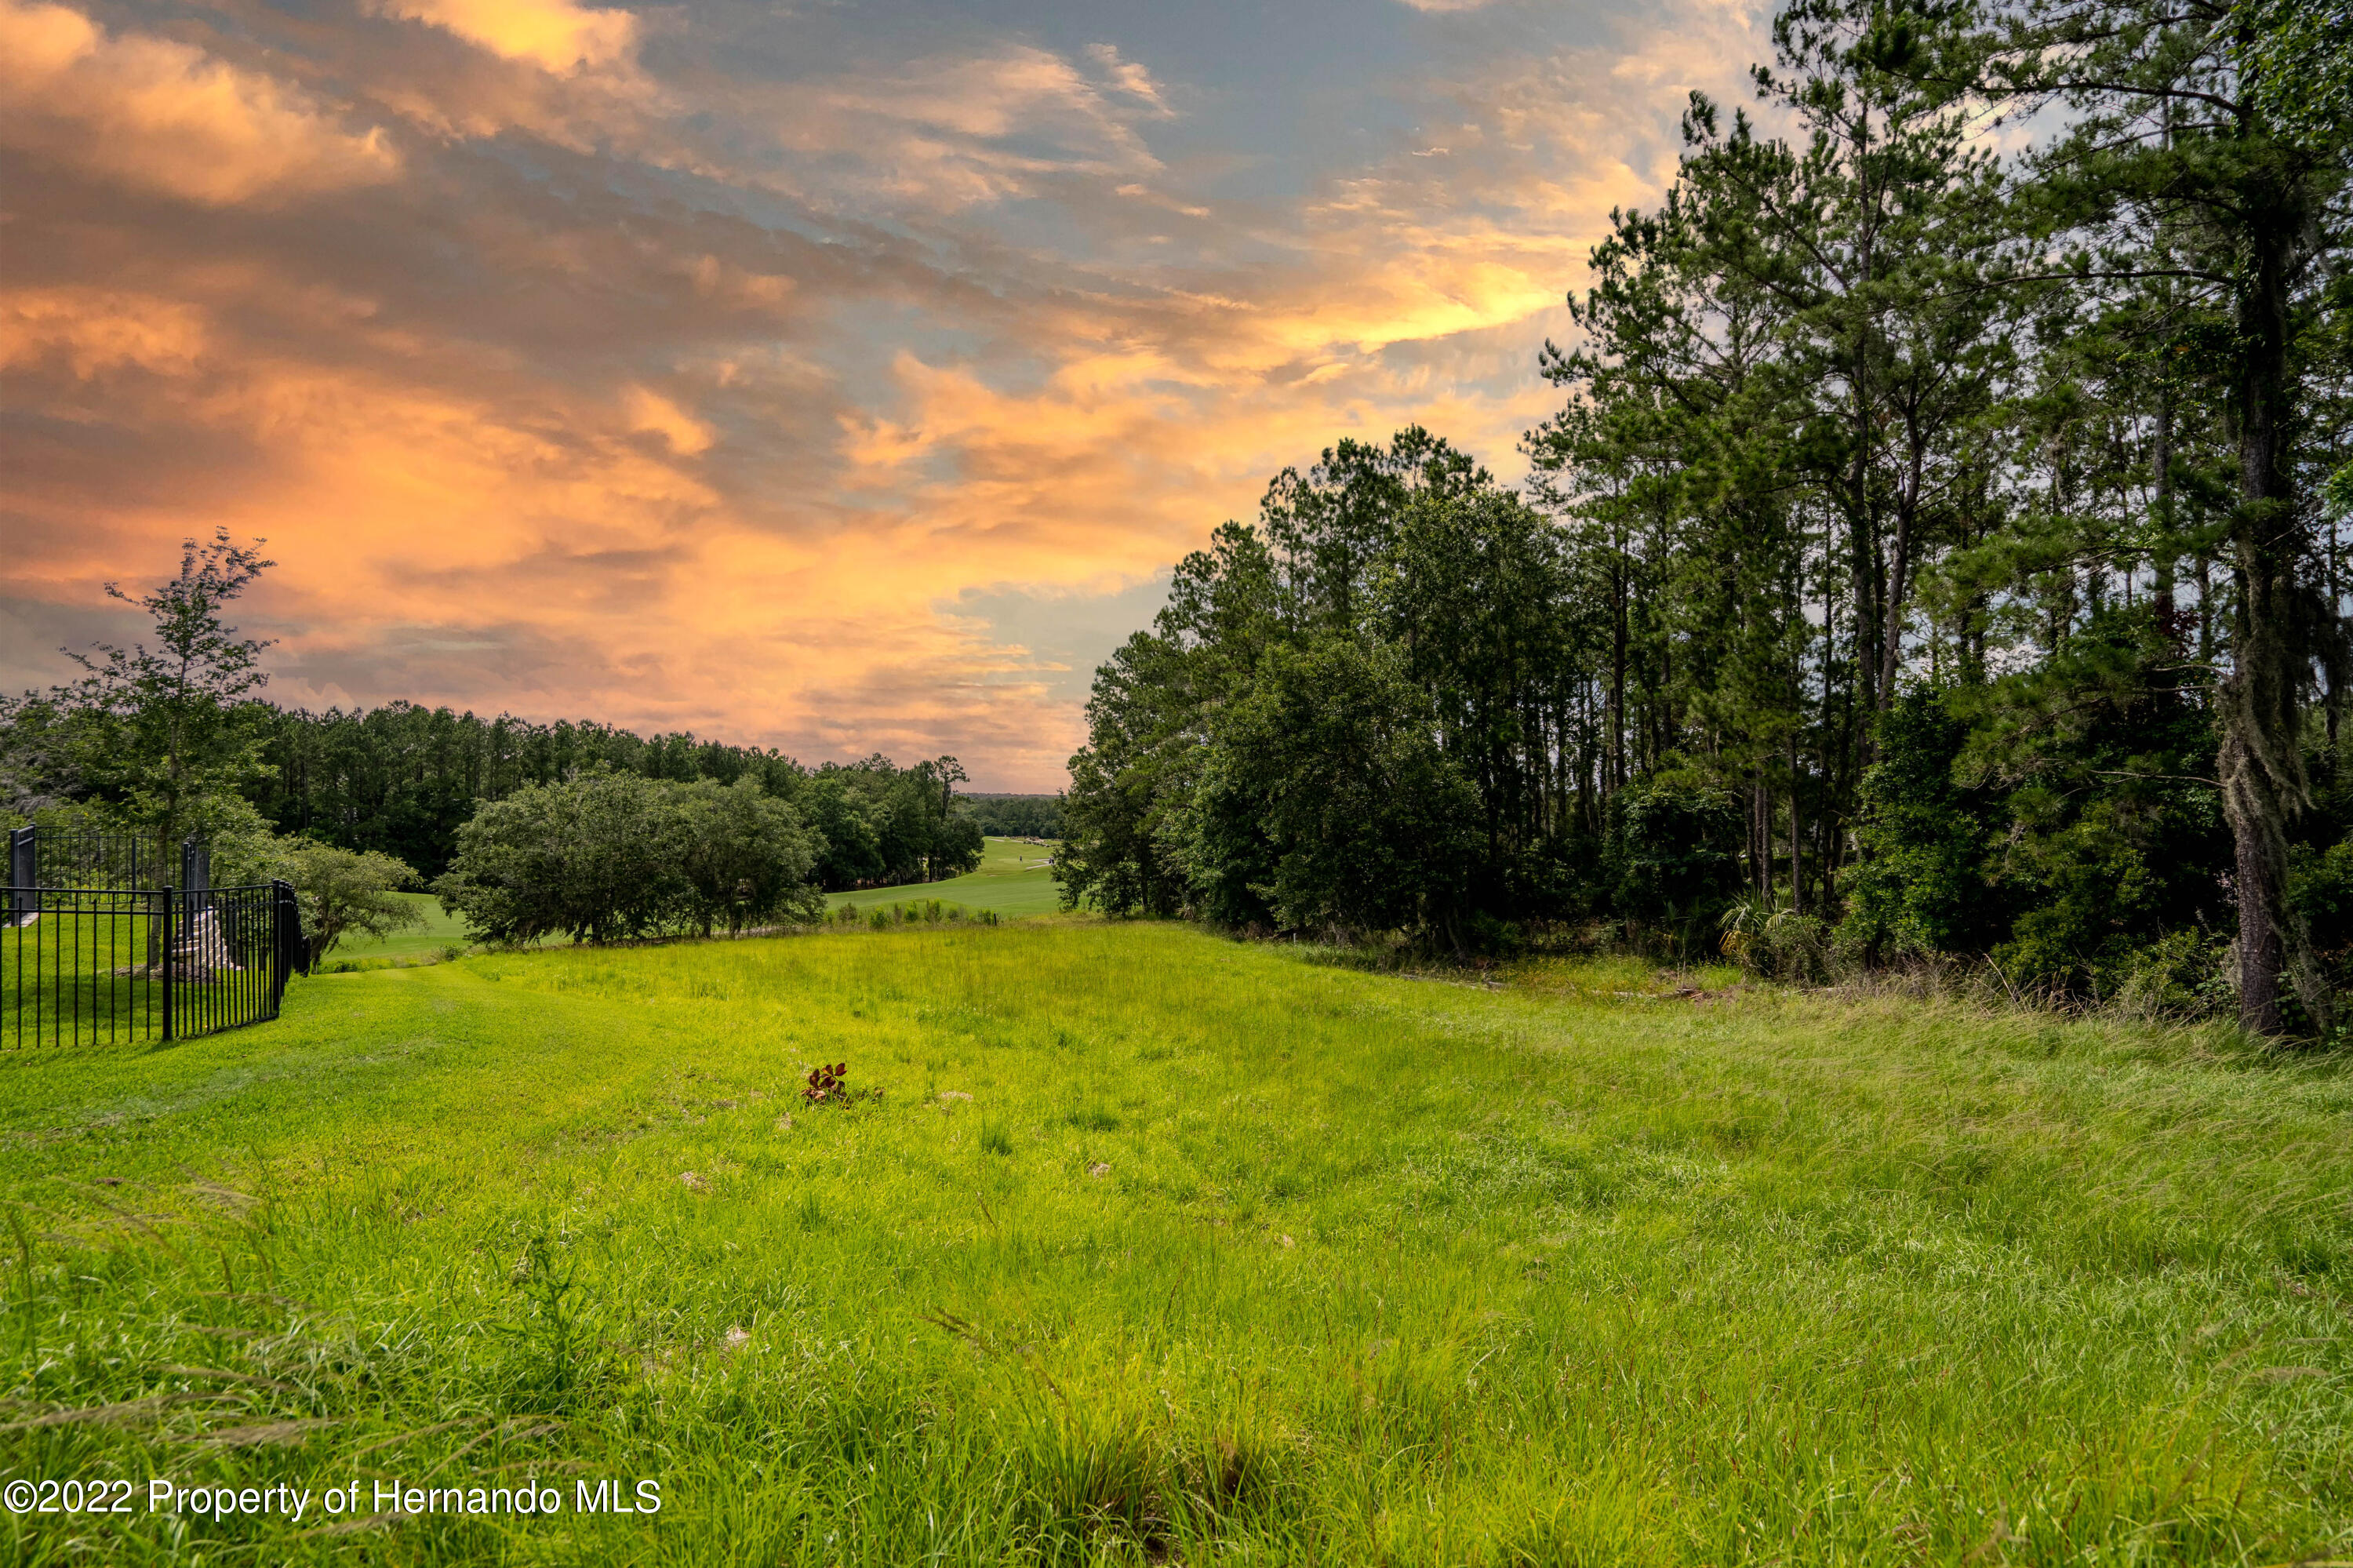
839,377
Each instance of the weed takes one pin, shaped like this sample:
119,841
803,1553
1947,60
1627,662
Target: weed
828,1085
552,1370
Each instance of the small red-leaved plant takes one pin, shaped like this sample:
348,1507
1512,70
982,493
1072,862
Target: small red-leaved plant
831,1086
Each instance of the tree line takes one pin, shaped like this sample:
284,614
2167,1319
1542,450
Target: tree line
603,855
527,829
1933,552
1015,816
404,780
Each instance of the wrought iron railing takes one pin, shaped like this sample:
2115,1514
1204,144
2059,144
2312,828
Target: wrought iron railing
55,857
97,966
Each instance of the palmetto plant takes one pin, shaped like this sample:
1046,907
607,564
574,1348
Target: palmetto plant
1748,920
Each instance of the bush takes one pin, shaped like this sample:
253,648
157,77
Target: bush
2179,975
2320,891
1775,942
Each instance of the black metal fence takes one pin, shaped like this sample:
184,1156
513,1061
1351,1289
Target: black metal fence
100,964
49,857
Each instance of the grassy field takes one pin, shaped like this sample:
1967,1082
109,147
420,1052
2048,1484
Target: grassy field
1013,880
1160,1247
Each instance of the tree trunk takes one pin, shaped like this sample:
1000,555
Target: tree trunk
2261,764
2166,564
1899,579
1797,835
1618,679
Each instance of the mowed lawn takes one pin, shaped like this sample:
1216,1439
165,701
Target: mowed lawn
1228,1256
1013,879
416,944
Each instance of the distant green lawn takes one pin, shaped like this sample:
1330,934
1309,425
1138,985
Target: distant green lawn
415,945
1013,879
1159,1249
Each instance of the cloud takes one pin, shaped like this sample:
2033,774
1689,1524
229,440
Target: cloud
835,390
94,331
555,34
1127,76
166,116
650,411
944,133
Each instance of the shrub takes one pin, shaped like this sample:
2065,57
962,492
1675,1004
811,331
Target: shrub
1775,942
2179,975
2320,890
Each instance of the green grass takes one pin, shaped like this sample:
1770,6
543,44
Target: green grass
1231,1255
1013,880
416,944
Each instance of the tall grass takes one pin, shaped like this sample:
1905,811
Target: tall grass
1227,1254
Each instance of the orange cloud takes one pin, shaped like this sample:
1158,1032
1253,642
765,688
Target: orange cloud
97,330
164,116
650,411
555,34
949,133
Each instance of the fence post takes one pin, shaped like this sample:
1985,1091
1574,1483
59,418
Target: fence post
24,874
168,895
197,886
293,956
